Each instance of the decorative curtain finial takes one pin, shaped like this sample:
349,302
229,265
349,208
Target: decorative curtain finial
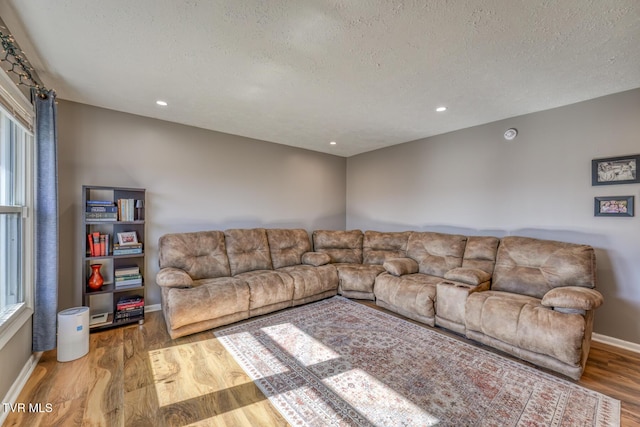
19,65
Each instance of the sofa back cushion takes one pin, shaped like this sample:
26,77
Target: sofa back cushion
287,246
534,266
480,252
436,253
201,254
248,250
341,246
377,247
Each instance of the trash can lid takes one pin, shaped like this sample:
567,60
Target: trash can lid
73,311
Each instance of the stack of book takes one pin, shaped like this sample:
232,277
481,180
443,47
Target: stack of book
101,210
128,249
129,307
128,277
98,244
126,209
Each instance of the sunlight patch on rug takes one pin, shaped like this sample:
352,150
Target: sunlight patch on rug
337,362
303,347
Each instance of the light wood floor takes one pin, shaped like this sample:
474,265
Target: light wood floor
138,376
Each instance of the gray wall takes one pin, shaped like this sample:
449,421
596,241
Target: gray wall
474,182
13,357
195,180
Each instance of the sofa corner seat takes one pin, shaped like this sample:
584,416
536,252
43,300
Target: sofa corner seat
513,317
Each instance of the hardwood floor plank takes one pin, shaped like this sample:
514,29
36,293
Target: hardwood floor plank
105,394
138,376
141,408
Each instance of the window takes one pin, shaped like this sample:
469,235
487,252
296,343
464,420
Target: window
16,148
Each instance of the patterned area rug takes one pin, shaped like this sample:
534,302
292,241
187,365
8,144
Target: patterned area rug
337,362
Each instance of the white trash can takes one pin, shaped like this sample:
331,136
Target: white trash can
73,333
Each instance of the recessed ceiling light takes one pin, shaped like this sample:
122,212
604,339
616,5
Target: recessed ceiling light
441,109
162,103
332,143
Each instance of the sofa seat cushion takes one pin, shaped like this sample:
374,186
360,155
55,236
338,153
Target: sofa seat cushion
451,301
207,299
522,321
267,287
309,281
357,280
412,295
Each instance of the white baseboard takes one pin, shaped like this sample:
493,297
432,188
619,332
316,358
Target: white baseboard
18,384
153,307
627,345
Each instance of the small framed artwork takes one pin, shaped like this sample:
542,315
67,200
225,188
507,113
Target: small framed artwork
127,238
614,206
615,170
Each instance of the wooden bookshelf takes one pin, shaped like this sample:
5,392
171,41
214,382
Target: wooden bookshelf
109,211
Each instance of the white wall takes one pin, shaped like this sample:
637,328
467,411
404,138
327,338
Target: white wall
474,182
195,180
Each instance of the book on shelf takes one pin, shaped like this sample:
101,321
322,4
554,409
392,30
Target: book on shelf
128,277
130,299
127,315
134,283
127,270
101,220
101,216
90,244
130,251
128,281
131,310
99,244
128,245
126,209
130,306
100,203
101,209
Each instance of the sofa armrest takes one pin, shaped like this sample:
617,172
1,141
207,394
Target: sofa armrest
400,266
470,276
573,298
315,258
171,277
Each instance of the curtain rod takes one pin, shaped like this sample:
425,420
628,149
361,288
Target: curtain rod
19,65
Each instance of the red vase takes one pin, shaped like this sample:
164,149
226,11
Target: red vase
95,280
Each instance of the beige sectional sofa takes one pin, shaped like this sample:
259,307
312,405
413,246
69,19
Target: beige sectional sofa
531,298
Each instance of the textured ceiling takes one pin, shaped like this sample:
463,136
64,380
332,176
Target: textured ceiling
365,73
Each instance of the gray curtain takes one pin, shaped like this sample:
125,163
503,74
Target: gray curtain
46,210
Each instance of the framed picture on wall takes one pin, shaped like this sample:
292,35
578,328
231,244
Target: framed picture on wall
615,170
614,206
